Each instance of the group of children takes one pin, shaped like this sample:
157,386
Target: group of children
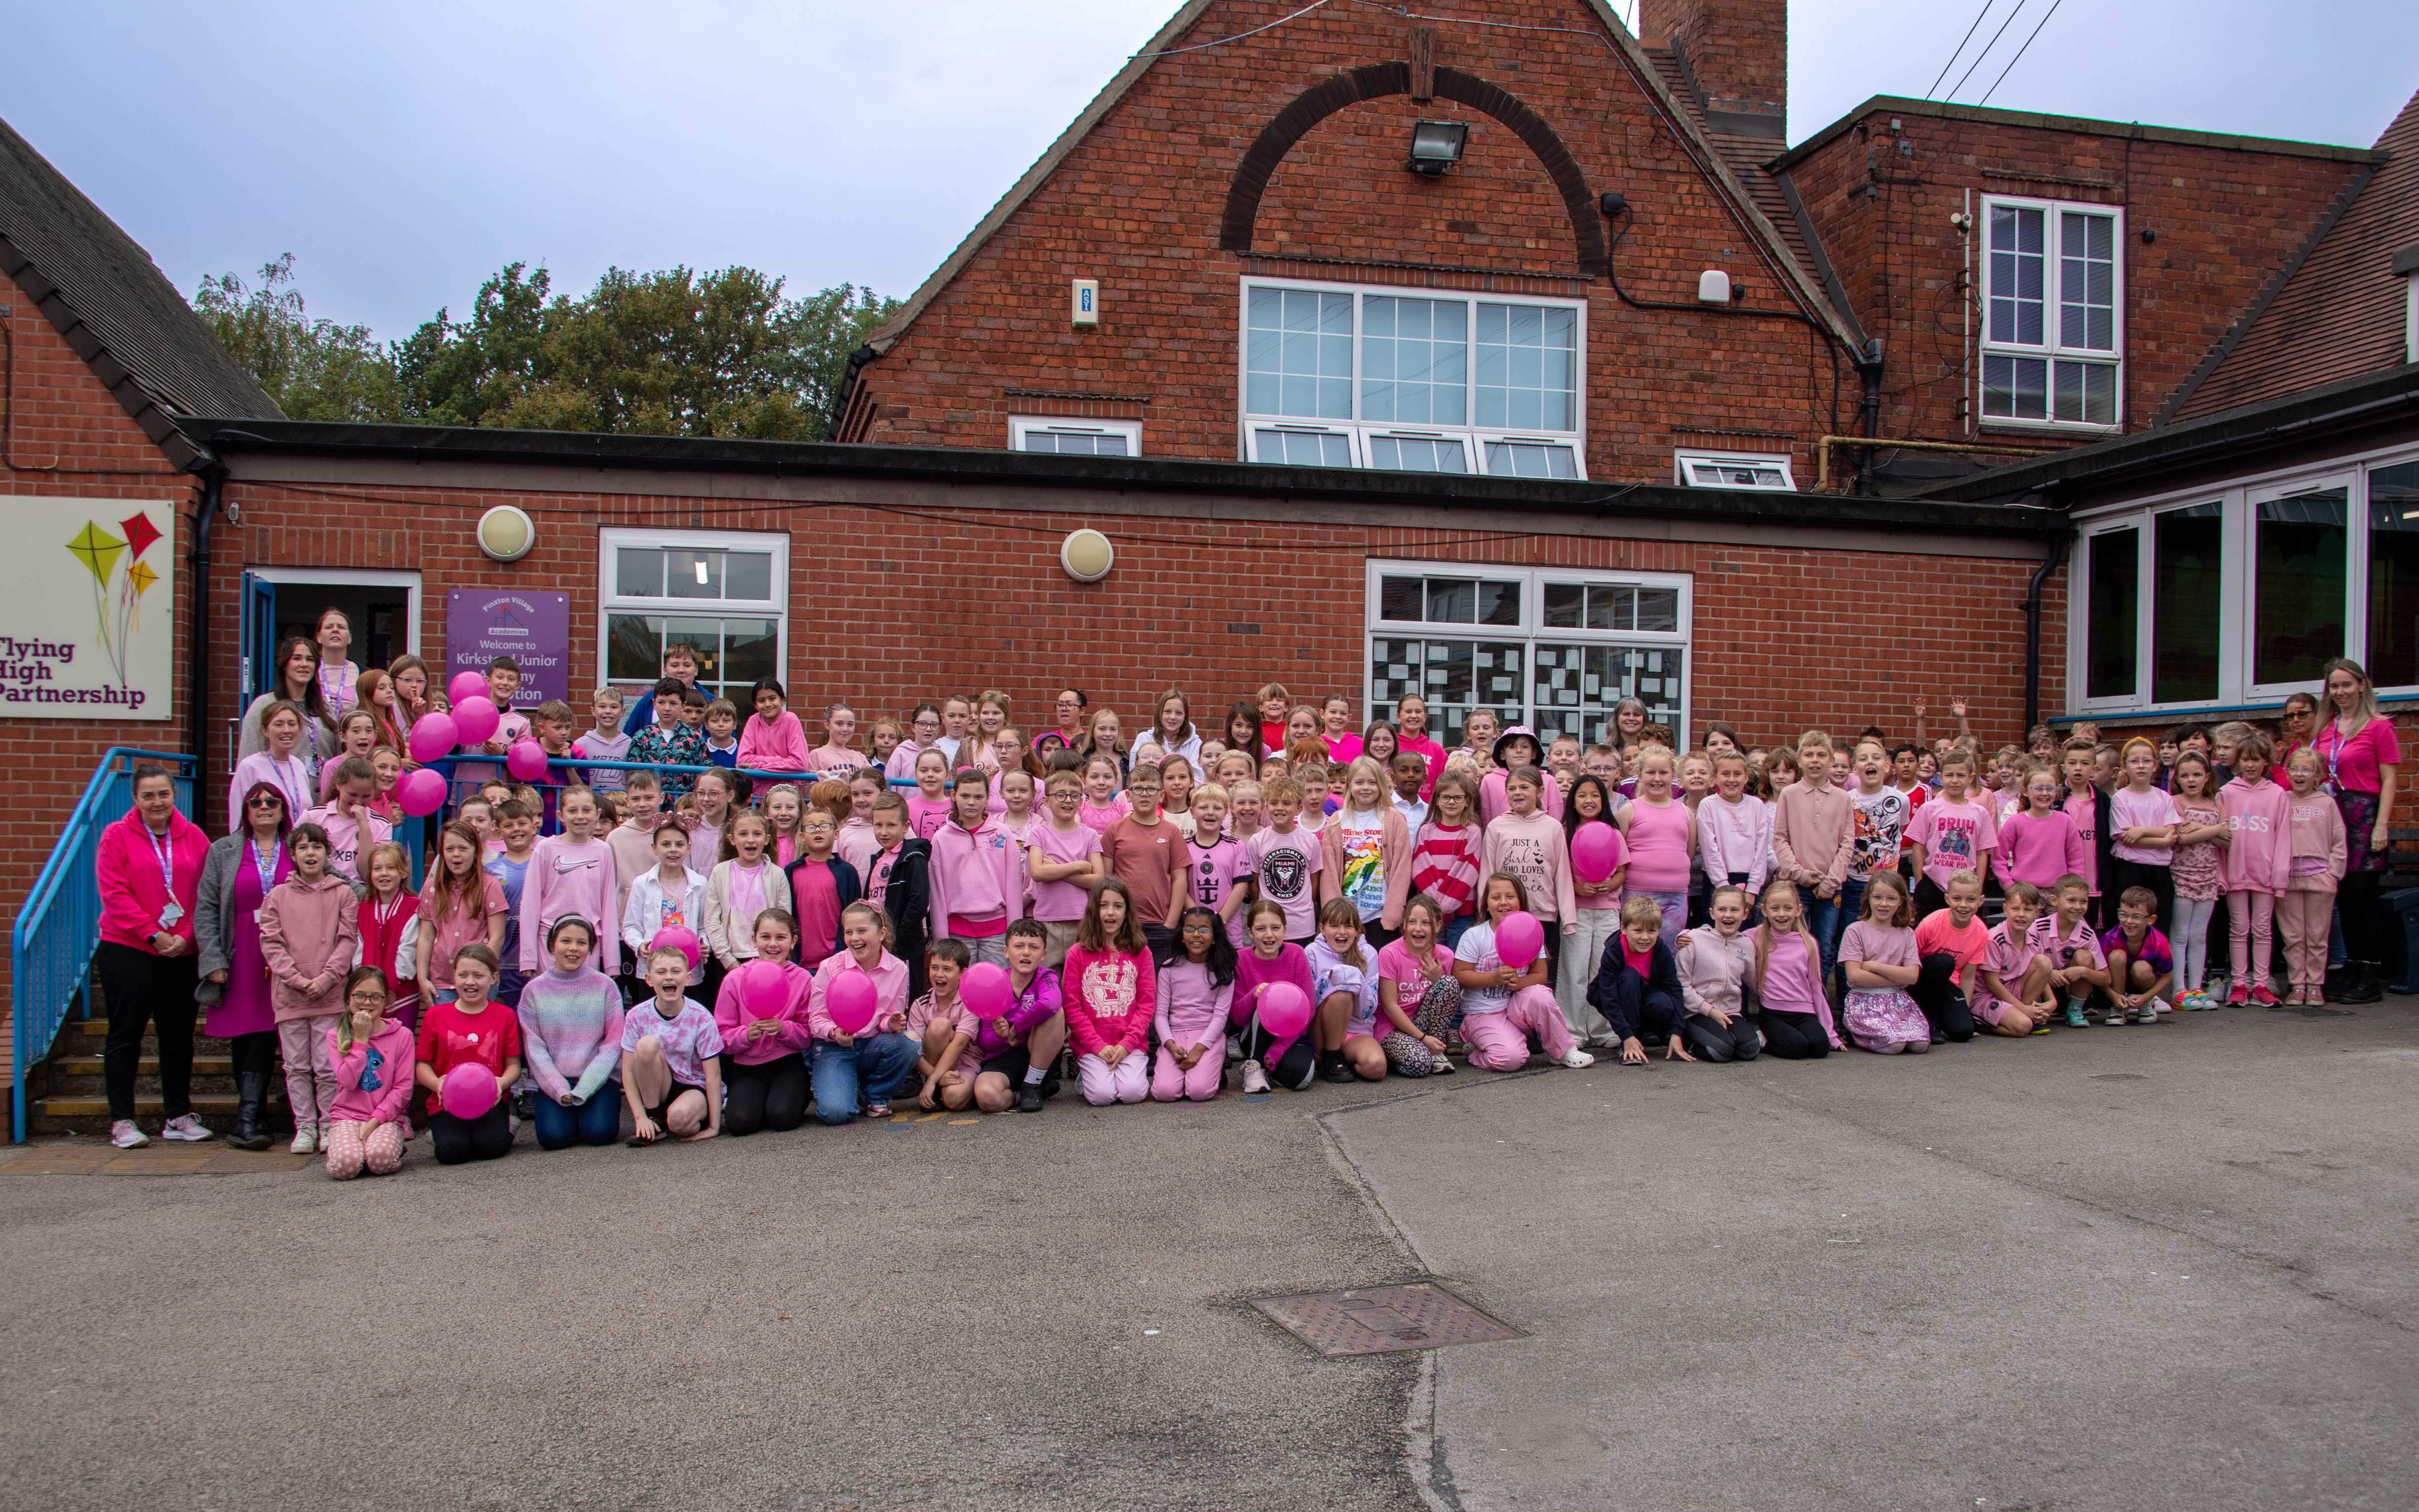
676,924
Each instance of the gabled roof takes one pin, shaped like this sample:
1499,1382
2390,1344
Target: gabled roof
111,306
1769,241
2335,310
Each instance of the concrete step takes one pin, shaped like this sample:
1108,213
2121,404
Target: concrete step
215,1109
91,1065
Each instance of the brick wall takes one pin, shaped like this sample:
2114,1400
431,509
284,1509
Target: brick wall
1739,49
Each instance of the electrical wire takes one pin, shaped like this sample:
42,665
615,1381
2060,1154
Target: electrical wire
2020,57
1961,47
1196,47
1986,49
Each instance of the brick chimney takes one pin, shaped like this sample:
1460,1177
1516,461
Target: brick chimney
1737,50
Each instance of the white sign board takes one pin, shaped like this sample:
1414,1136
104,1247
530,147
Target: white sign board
88,608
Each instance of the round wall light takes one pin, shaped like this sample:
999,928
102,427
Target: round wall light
506,533
1086,555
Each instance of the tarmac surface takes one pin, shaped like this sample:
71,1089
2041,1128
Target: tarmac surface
2145,1268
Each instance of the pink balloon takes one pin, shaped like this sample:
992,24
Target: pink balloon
475,719
433,736
674,937
468,1091
1520,940
985,989
1284,1009
421,793
1596,850
764,991
850,1001
526,761
466,685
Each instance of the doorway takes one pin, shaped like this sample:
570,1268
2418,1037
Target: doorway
384,607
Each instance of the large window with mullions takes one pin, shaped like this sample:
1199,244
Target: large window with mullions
1551,648
724,592
1412,380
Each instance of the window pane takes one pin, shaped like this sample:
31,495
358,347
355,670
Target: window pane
750,649
2298,616
2087,281
1499,602
2017,274
1736,475
1304,448
1573,688
2016,387
2394,576
1455,676
1565,604
2110,647
1400,598
1658,608
1417,453
749,575
639,572
1612,608
1528,367
1530,459
1414,361
2086,392
2186,597
704,634
634,649
1452,601
1298,354
1077,442
690,573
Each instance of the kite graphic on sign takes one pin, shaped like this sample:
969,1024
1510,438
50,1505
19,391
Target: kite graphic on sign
117,597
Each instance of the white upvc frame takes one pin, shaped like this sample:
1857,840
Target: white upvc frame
611,539
1019,426
358,578
1685,459
2411,317
2239,498
1472,436
2049,351
1530,628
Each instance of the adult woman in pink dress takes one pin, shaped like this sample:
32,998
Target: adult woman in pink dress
236,876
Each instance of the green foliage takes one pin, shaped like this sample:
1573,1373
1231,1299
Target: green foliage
314,369
669,353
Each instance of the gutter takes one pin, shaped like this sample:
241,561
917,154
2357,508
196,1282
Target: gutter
213,475
2033,607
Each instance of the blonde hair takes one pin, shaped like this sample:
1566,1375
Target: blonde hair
1641,909
880,920
1378,774
1814,740
1763,931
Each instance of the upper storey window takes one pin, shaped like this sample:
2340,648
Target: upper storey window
2053,331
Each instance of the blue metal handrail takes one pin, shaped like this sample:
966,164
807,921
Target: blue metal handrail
58,925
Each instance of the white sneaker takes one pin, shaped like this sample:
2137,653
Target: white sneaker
306,1141
1577,1059
185,1130
1439,1065
1256,1081
126,1136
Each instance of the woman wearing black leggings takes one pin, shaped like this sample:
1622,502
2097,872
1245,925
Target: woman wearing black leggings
2361,752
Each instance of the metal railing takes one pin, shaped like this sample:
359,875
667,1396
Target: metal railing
58,925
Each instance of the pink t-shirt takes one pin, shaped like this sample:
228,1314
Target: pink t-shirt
1100,818
925,816
1395,964
461,926
1287,867
1658,847
2357,763
2084,808
1954,836
1938,934
1213,869
2129,810
1061,903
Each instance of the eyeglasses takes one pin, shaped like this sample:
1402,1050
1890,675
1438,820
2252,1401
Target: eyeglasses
263,800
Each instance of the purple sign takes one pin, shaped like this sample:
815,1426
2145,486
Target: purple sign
534,629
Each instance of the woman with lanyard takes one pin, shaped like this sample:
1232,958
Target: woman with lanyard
236,876
297,682
149,869
2359,747
337,675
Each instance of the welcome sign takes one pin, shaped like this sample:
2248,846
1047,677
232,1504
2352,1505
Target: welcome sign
533,629
87,608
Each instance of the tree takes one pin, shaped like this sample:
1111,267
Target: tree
314,369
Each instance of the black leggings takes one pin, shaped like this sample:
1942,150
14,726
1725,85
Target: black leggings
140,988
2160,880
1294,1068
772,1095
1794,1036
1708,1041
1942,1000
2357,905
254,1052
485,1137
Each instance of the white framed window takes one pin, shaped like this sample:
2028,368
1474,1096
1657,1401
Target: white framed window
2235,595
1079,438
723,592
1552,648
1733,470
1342,375
2407,264
2052,313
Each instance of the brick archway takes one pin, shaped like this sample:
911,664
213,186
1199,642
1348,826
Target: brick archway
1376,81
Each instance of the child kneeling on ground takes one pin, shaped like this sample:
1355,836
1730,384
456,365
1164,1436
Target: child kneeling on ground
372,1057
1501,1005
671,1058
1637,985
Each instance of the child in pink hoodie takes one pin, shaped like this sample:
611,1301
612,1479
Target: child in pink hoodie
772,740
1110,993
761,1015
2316,871
309,933
2259,864
570,874
1527,842
373,1060
976,879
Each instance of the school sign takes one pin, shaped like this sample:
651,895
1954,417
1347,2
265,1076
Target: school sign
87,608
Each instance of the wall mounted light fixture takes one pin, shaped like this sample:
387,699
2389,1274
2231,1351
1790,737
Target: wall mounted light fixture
506,533
1436,146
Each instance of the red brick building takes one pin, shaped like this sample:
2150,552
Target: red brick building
1477,429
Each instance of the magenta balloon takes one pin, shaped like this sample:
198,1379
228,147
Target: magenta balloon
421,793
466,685
468,1091
1518,940
1284,1009
985,988
475,720
764,991
674,937
433,736
851,1000
526,761
1596,850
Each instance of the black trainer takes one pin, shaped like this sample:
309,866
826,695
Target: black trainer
1334,1068
1028,1098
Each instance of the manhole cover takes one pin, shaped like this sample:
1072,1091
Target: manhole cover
1419,1315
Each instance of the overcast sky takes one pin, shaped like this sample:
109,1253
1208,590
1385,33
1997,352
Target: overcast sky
401,154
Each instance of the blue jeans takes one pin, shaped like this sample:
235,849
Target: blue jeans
596,1121
871,1070
1827,922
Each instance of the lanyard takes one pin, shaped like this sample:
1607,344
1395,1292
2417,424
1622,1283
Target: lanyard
164,847
264,862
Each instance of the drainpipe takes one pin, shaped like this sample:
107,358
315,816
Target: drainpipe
2032,606
197,694
1869,367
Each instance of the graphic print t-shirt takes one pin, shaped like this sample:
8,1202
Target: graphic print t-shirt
1881,822
1287,867
1364,869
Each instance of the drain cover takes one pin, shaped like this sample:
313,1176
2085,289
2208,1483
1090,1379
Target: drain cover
1419,1315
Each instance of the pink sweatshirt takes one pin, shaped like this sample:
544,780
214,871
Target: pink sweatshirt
732,1024
2259,843
1814,829
889,977
974,875
310,933
857,845
1192,1009
1735,837
777,746
2319,853
1108,998
570,878
1536,851
1492,804
2040,851
389,1099
1788,983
